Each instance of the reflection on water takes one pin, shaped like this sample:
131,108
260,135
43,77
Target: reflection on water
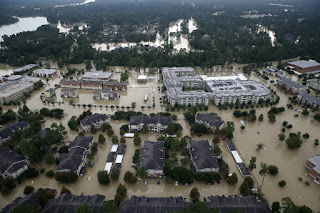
174,36
23,25
290,163
271,33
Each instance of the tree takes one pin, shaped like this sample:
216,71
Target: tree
122,140
101,139
306,135
282,183
124,77
275,207
263,172
114,175
115,139
260,117
273,170
230,129
129,177
93,129
122,190
216,139
110,207
194,194
252,164
233,179
110,132
294,141
83,209
141,172
69,177
103,177
281,137
284,123
50,174
245,188
65,190
317,117
136,139
182,175
260,146
49,159
27,190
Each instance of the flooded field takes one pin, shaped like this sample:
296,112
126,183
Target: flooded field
290,163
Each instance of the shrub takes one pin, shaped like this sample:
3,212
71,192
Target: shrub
103,177
69,177
49,159
28,190
129,177
273,170
282,183
50,174
114,175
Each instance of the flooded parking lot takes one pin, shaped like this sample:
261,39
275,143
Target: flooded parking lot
290,163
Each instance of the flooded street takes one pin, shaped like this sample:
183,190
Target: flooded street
290,163
271,33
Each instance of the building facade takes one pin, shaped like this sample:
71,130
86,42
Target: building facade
313,165
69,93
210,121
308,101
304,65
152,158
290,86
14,90
7,132
44,73
203,157
97,120
158,123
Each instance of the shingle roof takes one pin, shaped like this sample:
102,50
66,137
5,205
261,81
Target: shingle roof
309,98
290,83
90,119
153,205
111,156
9,157
212,120
81,141
9,130
152,155
72,160
158,118
68,203
31,199
203,155
247,204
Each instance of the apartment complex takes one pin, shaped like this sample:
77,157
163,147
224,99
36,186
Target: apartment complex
203,157
157,123
309,101
291,86
106,94
210,121
69,93
152,158
185,88
89,84
97,120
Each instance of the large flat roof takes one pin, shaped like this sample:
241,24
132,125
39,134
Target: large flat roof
97,74
304,63
10,88
45,71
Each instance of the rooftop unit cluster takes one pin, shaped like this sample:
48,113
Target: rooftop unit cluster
185,88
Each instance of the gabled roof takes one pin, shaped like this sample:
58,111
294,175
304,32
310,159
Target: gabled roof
157,119
111,156
152,155
212,120
203,155
153,205
310,98
90,119
9,130
68,203
72,160
81,141
247,204
31,199
290,83
9,157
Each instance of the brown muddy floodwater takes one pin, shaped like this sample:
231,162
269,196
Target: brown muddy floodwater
290,163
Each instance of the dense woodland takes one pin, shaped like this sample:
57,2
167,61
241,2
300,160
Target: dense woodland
220,39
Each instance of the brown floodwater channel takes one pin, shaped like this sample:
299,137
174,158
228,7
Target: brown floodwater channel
290,162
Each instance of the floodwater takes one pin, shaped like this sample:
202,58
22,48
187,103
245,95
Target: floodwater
76,4
271,33
174,36
23,25
290,163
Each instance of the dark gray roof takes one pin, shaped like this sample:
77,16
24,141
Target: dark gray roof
203,155
247,204
158,118
153,205
81,141
152,155
288,82
71,160
231,146
310,98
68,203
117,167
212,120
43,132
304,63
90,119
111,156
31,199
121,149
243,169
9,130
9,157
69,81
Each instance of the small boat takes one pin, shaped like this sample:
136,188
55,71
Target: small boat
258,133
